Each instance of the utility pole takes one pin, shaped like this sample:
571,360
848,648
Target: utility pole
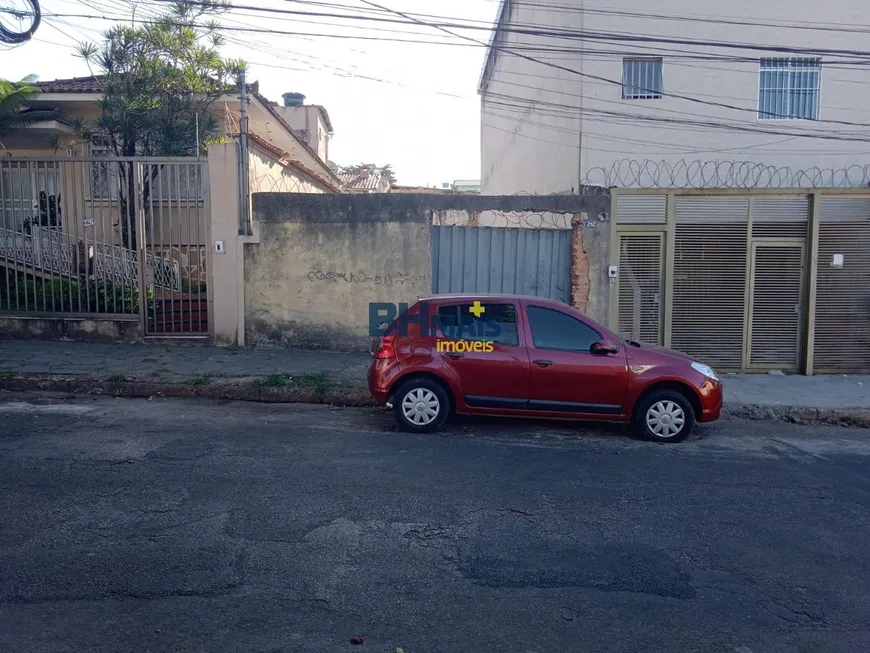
244,180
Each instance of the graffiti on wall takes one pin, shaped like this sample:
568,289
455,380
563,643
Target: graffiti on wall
360,277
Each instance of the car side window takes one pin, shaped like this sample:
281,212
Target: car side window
489,322
556,330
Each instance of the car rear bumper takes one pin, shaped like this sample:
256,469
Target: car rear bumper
380,377
711,401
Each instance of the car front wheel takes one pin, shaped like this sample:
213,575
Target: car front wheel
664,416
421,406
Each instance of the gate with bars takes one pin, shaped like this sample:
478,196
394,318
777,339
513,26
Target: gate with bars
510,260
107,238
747,281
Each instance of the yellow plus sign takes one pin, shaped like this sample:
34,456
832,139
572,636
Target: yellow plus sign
477,309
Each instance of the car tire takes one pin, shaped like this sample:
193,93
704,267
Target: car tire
414,402
664,416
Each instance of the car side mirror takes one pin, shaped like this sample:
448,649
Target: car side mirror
604,347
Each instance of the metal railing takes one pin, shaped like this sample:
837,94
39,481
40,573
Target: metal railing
73,233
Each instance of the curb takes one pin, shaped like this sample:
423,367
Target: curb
220,391
359,397
854,417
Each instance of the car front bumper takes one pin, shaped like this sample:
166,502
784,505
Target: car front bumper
711,400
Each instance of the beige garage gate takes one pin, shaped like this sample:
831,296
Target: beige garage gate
747,281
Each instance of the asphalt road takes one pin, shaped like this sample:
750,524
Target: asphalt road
133,525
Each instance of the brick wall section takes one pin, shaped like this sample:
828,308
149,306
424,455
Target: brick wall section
579,266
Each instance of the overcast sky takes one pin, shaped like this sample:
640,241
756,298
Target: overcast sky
411,105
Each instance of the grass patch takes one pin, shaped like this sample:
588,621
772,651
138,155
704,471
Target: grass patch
199,379
315,380
273,381
116,378
6,375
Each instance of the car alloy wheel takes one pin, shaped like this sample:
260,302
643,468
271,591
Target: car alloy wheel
665,419
421,406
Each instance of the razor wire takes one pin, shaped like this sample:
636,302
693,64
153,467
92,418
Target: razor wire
632,173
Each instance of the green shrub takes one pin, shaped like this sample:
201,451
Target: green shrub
44,295
62,295
106,297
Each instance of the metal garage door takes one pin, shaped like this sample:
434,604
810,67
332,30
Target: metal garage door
842,324
709,291
502,260
776,306
640,286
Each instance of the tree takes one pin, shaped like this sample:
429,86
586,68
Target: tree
386,171
158,81
14,98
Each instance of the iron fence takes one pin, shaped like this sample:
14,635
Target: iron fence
74,231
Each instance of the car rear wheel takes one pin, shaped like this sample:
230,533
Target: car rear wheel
421,406
664,416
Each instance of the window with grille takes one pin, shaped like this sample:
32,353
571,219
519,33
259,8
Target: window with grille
22,186
789,89
166,182
642,78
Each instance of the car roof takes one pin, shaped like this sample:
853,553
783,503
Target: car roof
510,296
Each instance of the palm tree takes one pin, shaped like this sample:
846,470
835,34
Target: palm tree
14,97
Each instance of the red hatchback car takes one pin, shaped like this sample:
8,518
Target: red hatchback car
533,357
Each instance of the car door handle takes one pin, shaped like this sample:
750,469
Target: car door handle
454,355
543,363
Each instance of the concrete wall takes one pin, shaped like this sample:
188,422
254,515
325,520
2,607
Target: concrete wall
72,328
226,287
323,258
531,112
319,264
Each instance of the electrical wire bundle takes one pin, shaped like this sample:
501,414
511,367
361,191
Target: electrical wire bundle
16,38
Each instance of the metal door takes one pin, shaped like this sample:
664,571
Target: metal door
710,268
502,260
776,298
640,286
174,198
842,315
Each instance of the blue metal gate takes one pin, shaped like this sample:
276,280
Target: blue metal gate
502,260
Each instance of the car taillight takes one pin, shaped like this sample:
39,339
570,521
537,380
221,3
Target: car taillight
386,349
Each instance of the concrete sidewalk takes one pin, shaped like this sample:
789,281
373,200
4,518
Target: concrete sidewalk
304,375
174,363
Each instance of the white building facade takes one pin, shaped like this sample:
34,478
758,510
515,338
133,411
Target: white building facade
675,94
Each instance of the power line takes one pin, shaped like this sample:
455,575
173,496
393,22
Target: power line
566,34
635,103
606,79
676,149
625,39
798,25
563,110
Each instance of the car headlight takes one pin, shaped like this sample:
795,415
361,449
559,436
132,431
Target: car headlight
706,370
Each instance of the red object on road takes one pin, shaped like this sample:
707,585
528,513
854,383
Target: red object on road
533,357
356,639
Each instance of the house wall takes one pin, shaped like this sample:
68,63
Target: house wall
270,176
309,118
265,125
528,144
